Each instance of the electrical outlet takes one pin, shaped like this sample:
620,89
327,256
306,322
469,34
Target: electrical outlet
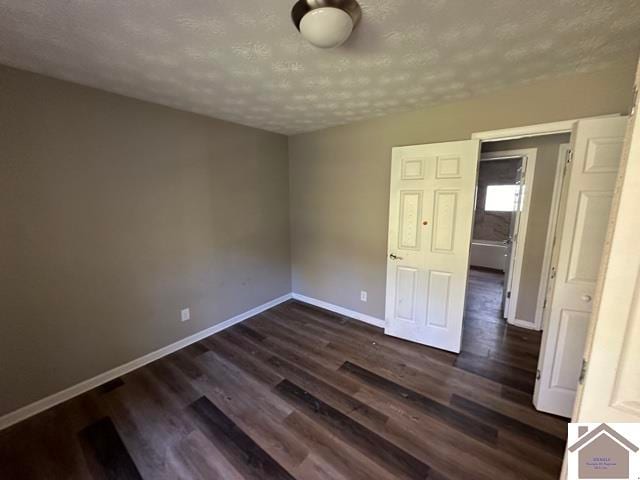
363,296
185,314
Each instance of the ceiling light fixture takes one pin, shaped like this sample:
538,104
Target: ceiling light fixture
326,23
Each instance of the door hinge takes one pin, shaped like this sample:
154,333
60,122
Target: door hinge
544,305
634,104
538,374
569,156
508,294
583,371
553,273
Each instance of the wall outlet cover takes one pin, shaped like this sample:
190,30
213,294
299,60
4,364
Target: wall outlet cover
363,296
185,314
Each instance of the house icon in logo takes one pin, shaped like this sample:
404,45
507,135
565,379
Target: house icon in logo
602,453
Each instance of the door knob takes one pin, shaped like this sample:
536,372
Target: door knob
394,257
586,298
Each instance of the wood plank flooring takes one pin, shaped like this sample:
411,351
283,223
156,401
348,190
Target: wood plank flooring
302,393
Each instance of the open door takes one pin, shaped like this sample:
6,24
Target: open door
511,243
611,390
430,223
584,217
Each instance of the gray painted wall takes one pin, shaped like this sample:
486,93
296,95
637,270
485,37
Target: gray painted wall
115,214
340,176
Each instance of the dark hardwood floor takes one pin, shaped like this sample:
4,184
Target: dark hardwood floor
298,392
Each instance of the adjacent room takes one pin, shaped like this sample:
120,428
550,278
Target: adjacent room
344,239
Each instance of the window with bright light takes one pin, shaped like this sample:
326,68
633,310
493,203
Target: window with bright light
502,198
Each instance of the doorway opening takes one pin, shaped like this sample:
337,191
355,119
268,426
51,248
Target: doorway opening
518,189
499,191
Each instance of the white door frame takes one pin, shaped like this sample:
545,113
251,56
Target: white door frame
541,318
528,156
539,129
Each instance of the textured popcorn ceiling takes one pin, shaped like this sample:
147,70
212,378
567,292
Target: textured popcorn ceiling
243,61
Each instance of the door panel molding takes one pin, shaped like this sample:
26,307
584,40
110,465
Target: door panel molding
406,280
445,206
412,168
588,238
448,167
567,362
439,297
603,155
410,214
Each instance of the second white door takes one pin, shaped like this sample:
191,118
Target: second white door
430,224
585,210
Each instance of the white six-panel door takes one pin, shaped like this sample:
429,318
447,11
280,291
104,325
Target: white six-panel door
611,391
585,210
430,224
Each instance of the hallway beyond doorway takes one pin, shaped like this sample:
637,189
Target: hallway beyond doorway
491,347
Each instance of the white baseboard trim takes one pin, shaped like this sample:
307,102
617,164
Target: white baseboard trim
523,324
342,311
82,387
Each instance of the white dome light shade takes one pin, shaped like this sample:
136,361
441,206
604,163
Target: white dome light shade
326,27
